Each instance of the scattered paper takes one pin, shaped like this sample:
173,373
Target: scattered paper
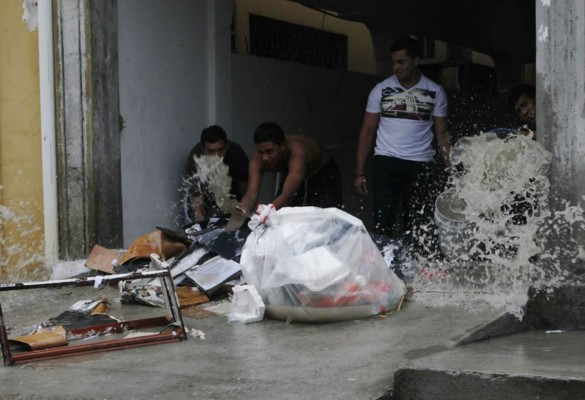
196,333
213,273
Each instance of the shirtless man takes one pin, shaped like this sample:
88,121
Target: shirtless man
311,176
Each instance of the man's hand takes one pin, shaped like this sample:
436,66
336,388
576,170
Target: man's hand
360,185
237,218
262,216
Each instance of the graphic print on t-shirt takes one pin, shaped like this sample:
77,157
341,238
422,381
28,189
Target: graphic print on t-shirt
408,104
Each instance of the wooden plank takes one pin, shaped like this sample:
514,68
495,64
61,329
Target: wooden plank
106,177
88,142
71,107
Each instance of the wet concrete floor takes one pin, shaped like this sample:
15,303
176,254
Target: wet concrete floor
265,360
272,359
543,365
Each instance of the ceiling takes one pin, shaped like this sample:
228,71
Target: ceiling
503,29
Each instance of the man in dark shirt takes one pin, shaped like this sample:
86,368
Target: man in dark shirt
522,101
201,200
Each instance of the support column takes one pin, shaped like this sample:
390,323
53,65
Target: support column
560,105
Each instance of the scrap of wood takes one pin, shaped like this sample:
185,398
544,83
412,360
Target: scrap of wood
400,304
189,297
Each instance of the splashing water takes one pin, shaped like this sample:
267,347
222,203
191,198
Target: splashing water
213,181
497,232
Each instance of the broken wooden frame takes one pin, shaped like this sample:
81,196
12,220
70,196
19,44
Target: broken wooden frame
174,323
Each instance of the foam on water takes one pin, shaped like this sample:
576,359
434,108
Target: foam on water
499,231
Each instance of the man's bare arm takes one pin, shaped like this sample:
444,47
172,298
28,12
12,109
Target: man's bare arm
250,198
443,139
364,145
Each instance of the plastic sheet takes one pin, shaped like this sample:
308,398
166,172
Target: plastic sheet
321,260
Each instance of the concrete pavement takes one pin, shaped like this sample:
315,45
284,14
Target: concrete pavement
265,360
410,354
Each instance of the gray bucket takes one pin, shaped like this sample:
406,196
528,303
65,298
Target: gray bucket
453,229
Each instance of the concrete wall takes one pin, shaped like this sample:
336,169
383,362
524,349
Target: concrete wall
178,78
21,188
174,81
326,103
560,69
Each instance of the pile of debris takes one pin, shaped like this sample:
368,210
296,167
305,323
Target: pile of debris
165,268
308,264
204,263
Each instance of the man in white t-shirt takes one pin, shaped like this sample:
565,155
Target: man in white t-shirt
404,113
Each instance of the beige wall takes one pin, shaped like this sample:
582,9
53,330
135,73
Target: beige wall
21,195
360,56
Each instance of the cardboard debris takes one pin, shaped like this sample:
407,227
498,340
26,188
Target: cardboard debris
102,259
191,258
101,308
42,339
189,296
155,242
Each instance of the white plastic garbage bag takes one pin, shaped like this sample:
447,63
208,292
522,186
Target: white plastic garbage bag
314,264
247,305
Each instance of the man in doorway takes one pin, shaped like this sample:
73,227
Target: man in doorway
311,175
522,100
404,114
202,203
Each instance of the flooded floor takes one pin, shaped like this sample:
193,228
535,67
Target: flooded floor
265,360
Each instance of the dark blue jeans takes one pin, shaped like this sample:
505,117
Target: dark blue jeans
399,191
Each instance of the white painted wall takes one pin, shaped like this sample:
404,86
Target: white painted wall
174,71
